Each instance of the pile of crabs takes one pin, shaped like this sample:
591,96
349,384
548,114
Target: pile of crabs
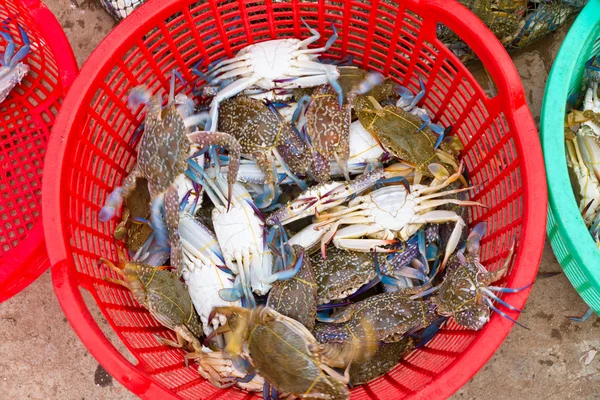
314,219
582,139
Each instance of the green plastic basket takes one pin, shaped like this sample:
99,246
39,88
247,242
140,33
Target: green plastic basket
571,241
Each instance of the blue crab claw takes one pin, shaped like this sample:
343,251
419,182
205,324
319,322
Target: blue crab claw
407,99
288,273
474,239
584,317
138,95
406,96
114,201
419,95
23,51
385,279
491,305
10,48
265,200
156,217
303,101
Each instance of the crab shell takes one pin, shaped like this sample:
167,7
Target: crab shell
260,131
342,273
163,294
287,355
328,128
458,293
297,297
398,132
388,316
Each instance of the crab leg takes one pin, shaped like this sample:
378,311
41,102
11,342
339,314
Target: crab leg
311,39
345,238
114,201
212,70
316,37
243,69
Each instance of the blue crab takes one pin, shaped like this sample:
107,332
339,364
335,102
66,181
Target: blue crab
285,353
342,274
466,292
325,196
327,125
393,212
404,135
280,63
164,295
12,70
204,271
383,318
163,160
265,137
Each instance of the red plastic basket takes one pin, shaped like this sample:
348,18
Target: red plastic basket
91,155
26,117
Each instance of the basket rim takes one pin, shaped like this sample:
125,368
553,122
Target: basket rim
562,202
31,258
453,15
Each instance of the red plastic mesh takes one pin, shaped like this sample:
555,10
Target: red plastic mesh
26,117
383,36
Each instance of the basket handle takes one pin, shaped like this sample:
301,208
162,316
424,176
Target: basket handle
50,27
491,52
73,305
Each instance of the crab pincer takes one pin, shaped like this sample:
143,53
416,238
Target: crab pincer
203,139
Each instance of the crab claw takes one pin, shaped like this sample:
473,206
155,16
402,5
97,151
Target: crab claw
138,95
371,80
114,201
203,139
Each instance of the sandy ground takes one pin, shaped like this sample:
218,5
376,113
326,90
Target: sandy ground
42,358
